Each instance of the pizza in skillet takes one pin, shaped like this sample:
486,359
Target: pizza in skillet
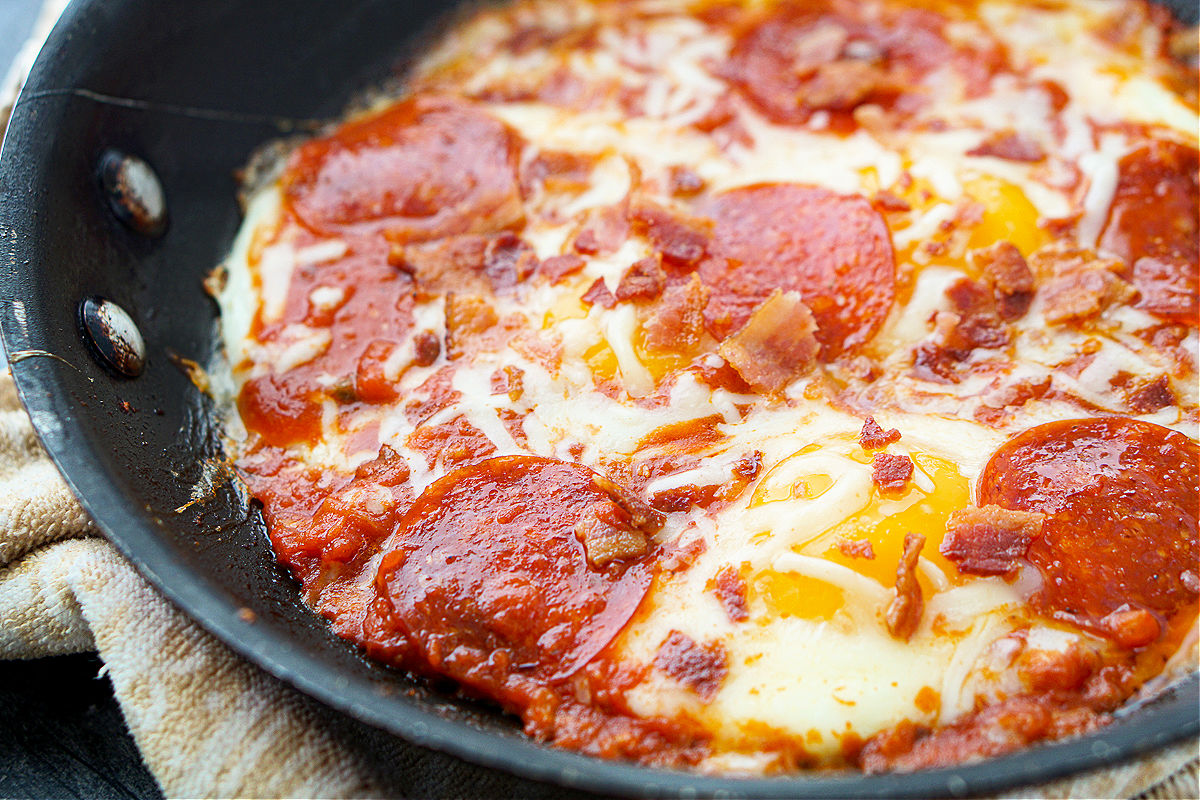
747,386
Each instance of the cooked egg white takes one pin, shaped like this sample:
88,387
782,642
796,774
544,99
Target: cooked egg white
814,659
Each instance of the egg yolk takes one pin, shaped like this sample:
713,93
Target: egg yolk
936,491
602,361
885,525
659,363
786,594
1008,216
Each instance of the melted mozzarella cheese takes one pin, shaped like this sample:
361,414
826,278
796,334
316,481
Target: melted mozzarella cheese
815,659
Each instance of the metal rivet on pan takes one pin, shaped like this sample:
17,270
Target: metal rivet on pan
114,336
134,192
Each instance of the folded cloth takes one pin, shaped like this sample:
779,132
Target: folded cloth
209,724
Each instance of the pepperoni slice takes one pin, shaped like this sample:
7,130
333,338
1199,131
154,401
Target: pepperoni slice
1120,499
425,168
833,249
488,580
1152,224
806,57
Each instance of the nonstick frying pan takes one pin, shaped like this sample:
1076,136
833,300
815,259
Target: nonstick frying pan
193,89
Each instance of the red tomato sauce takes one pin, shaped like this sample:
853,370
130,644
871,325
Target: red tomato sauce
488,576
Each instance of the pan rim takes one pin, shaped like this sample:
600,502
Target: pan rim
201,599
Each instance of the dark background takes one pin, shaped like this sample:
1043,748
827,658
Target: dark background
16,18
61,731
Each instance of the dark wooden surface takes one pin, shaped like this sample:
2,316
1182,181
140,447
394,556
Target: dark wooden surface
62,734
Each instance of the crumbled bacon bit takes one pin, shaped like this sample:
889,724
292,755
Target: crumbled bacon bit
1063,670
989,540
874,437
587,242
681,498
641,516
749,465
720,375
1055,93
556,268
743,473
1082,284
1011,146
514,423
1131,627
891,473
887,201
1152,396
452,264
1169,341
598,293
543,348
684,182
608,535
508,260
933,363
1010,395
702,668
557,170
466,316
974,323
426,348
509,380
439,394
604,232
862,367
843,84
1006,270
678,557
931,248
730,589
681,240
967,214
451,443
644,280
388,468
856,548
1163,293
903,614
979,324
937,358
776,345
678,321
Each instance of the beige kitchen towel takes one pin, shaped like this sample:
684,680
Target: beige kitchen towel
209,724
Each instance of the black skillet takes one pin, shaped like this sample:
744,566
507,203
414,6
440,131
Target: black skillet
193,88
